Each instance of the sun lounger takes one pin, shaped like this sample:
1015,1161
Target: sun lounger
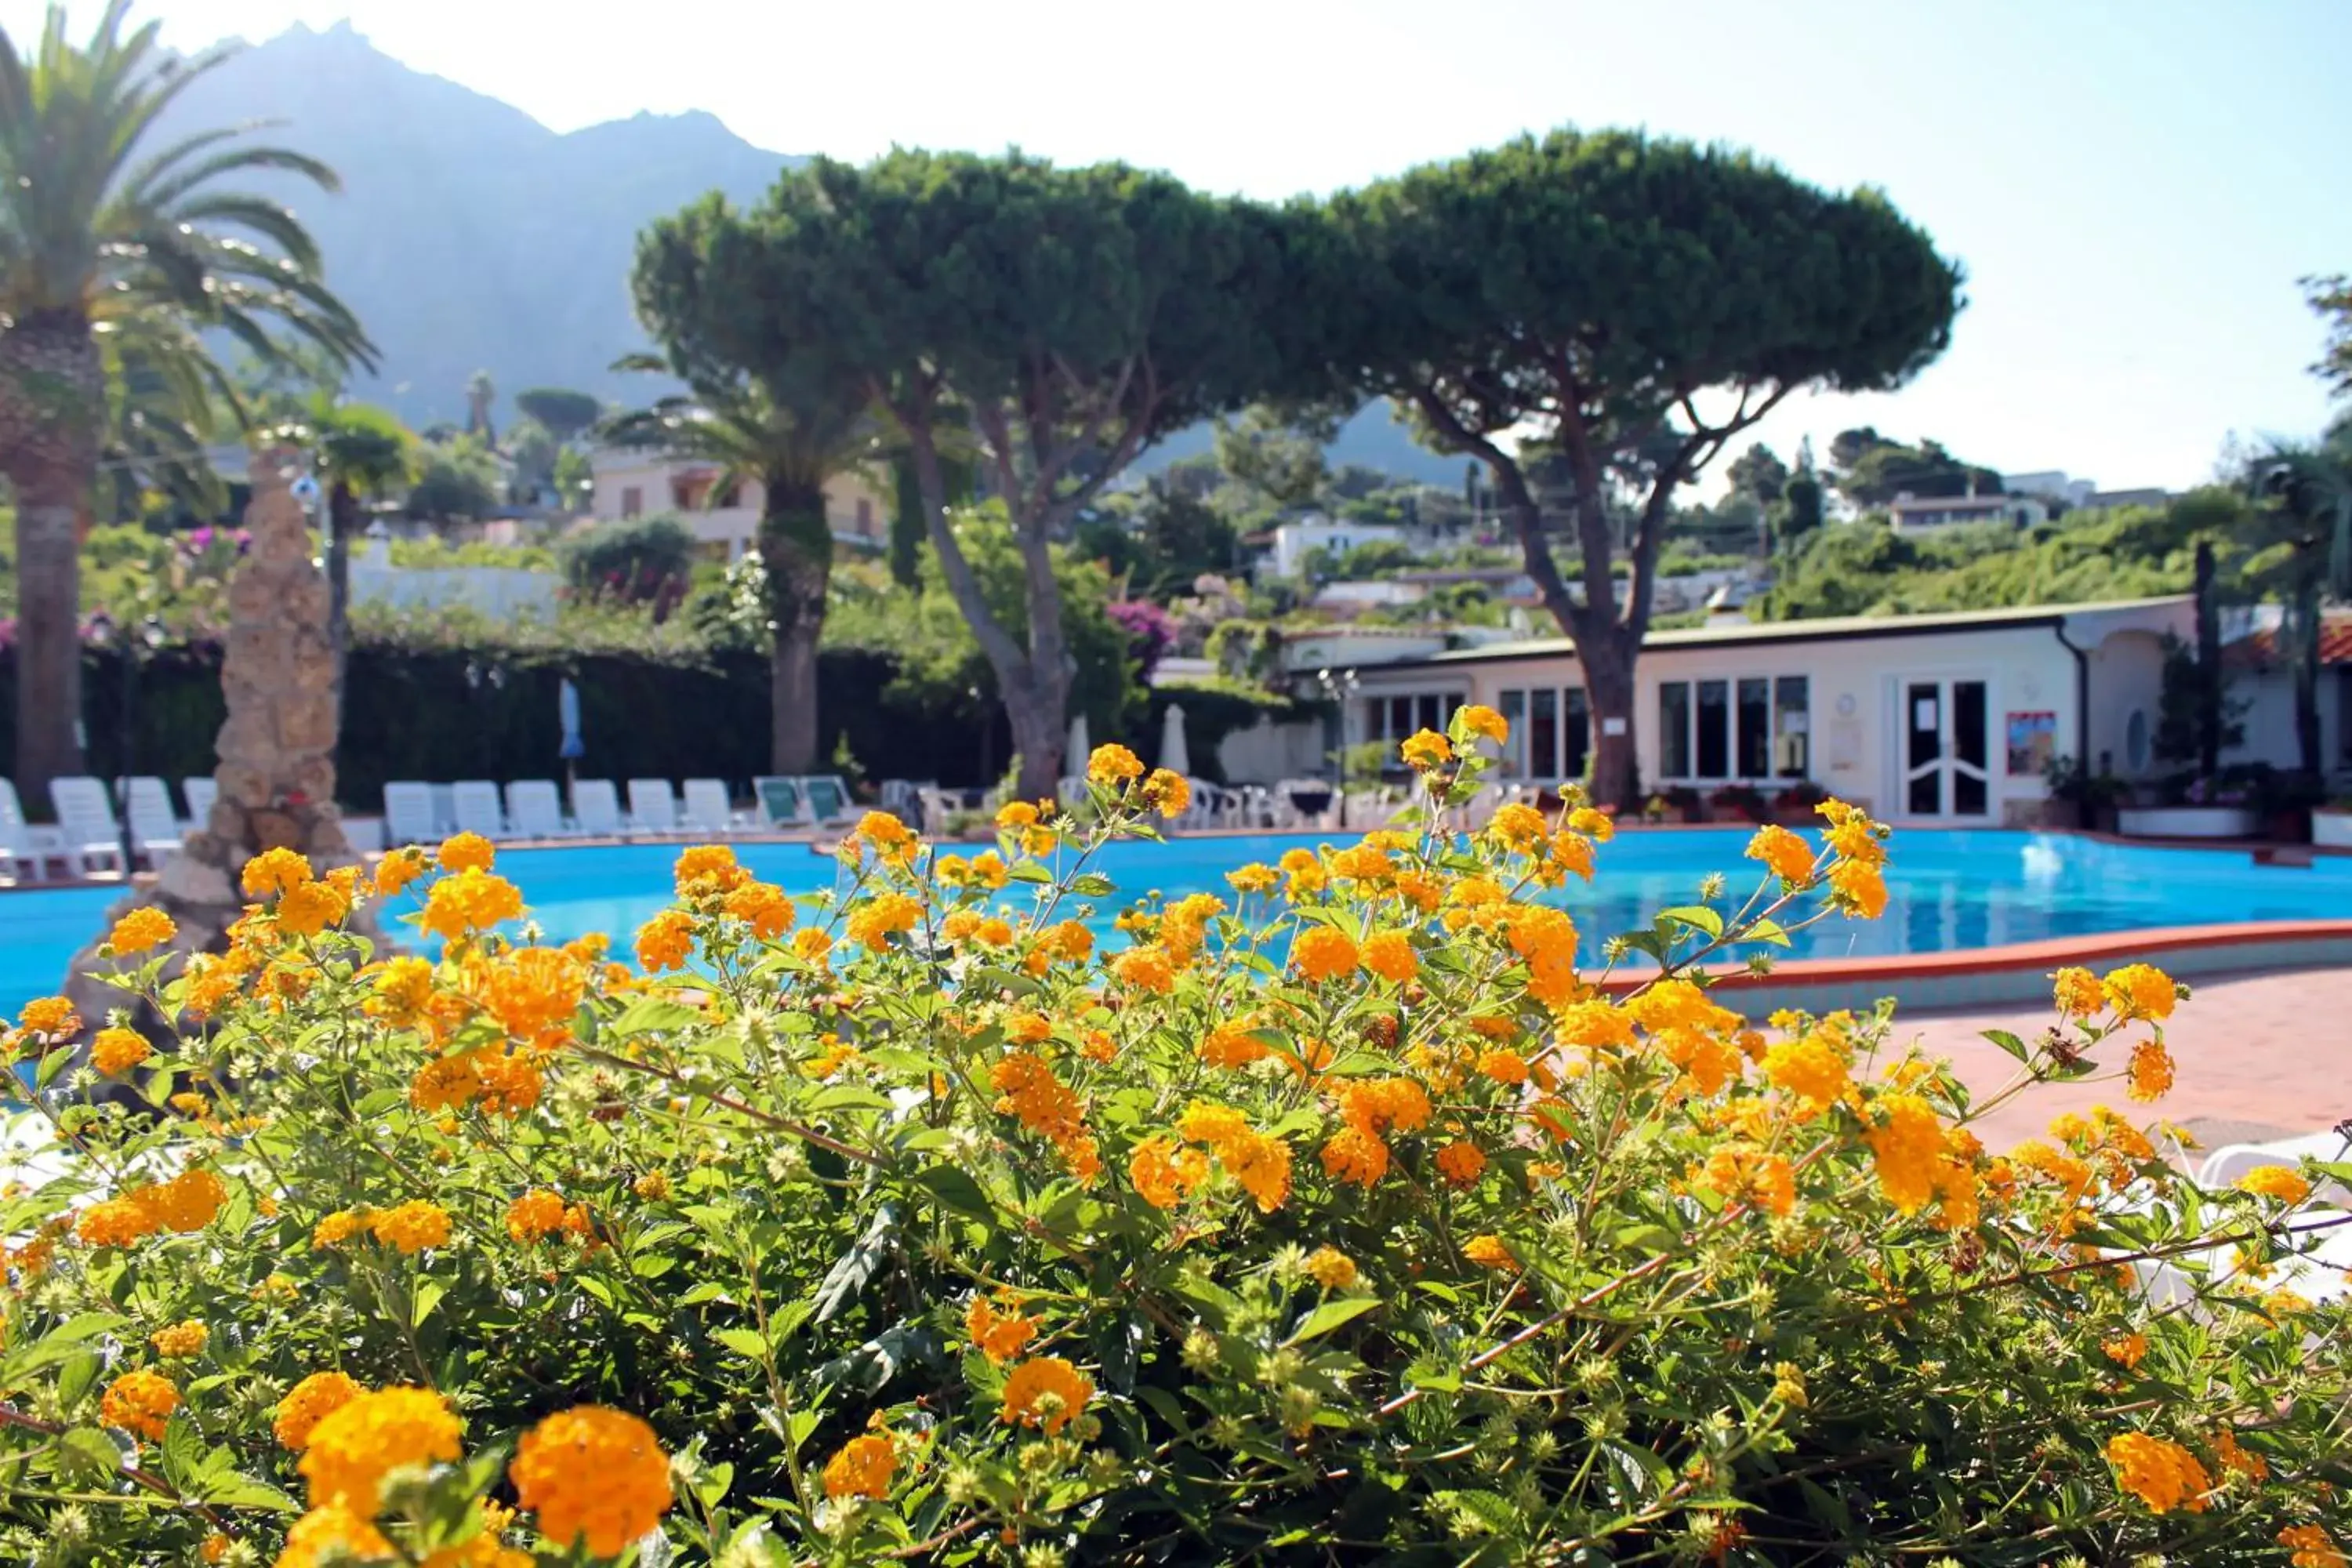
86,824
653,809
476,807
408,813
707,809
828,799
782,803
535,811
200,793
596,808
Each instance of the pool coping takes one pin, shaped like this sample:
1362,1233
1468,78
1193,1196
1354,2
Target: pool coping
2019,972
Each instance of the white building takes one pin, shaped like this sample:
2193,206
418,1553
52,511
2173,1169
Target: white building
1293,539
642,484
1940,720
1353,599
2264,683
2050,484
1915,513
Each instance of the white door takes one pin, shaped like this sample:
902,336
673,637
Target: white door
1943,766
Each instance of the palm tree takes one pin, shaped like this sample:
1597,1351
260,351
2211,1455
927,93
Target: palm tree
363,451
480,392
791,449
2306,558
94,237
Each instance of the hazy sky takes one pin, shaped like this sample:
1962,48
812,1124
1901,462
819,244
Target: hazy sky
2134,185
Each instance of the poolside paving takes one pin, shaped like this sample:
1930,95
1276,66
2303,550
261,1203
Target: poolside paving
2257,1057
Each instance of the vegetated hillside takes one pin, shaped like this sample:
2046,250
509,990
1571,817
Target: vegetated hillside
468,236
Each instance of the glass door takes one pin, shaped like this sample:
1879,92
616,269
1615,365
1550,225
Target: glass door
1947,749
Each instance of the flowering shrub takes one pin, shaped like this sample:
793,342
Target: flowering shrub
1356,1215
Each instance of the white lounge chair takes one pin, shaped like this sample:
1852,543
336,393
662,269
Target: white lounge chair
26,851
200,793
707,809
1072,792
408,813
154,826
86,824
535,811
653,808
782,803
476,802
596,808
828,799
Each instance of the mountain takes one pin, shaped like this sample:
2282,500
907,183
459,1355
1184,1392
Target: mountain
1373,437
468,236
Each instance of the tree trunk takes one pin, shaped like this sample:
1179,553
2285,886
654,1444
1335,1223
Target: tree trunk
796,549
48,633
1038,711
1036,696
2306,673
2208,666
342,512
52,408
1608,659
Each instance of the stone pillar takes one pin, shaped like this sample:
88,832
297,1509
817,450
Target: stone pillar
276,748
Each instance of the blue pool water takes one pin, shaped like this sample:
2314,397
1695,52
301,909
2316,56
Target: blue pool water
1948,891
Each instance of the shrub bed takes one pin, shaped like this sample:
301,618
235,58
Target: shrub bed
1339,1219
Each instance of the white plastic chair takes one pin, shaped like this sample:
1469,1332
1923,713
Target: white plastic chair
154,826
782,803
476,808
707,809
86,824
24,849
652,807
828,799
596,808
408,813
535,811
200,793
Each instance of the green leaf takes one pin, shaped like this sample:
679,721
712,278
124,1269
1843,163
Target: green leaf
742,1342
234,1491
1767,931
653,1014
1330,1315
2010,1043
1092,884
428,1296
90,1448
1698,917
955,1187
854,1269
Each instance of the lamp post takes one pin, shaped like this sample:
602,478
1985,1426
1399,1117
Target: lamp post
132,645
1340,688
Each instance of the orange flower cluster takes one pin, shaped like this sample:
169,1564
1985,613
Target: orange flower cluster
1047,1392
1371,1108
1027,1088
186,1203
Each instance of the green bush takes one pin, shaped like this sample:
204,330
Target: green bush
1343,1219
634,561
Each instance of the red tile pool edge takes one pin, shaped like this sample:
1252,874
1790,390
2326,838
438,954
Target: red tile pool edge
2020,972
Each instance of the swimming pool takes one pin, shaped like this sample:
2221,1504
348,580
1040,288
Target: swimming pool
1948,891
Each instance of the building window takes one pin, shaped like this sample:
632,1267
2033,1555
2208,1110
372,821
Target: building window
1390,720
1674,730
2136,741
1792,726
864,515
1515,749
1754,720
632,501
1714,729
1543,735
1575,732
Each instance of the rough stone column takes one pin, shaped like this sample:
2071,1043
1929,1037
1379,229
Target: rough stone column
275,750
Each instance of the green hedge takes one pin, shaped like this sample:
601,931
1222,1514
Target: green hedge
434,714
